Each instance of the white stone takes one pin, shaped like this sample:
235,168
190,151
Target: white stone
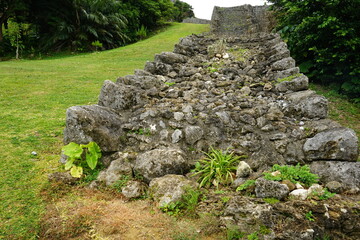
243,170
299,194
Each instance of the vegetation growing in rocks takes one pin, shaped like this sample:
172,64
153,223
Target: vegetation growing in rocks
217,168
81,156
295,174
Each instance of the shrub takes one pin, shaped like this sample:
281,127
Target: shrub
216,168
295,174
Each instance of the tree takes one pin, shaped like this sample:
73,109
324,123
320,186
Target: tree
75,24
16,9
182,11
324,37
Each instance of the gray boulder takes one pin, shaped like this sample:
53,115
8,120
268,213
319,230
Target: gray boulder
270,189
285,73
306,104
170,58
160,162
346,173
332,144
193,134
169,188
283,64
117,96
134,189
158,68
248,214
118,167
243,170
93,123
297,84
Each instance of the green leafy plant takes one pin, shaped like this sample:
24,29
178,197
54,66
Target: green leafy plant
141,131
253,236
216,168
325,195
295,174
309,216
97,44
247,184
142,32
186,206
233,233
172,208
80,156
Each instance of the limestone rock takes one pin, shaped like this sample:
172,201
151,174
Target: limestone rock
193,134
270,189
283,64
299,194
170,58
120,166
93,123
346,173
332,144
134,189
307,104
169,188
160,162
117,96
296,84
334,186
243,170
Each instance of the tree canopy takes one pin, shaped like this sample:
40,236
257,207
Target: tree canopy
324,38
79,25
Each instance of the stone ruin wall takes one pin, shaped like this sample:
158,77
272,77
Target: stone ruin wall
241,20
240,90
196,21
203,94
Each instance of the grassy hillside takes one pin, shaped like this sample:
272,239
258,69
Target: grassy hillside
34,95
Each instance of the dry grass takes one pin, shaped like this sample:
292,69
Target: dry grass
94,214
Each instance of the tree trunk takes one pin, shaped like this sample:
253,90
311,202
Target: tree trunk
17,47
1,33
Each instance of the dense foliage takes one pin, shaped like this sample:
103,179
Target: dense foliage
82,25
324,38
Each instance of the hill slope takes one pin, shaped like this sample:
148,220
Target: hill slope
34,95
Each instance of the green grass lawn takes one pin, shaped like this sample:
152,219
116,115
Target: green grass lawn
34,96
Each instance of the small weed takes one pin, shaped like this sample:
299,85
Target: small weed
246,185
233,233
309,216
295,174
289,78
271,200
253,236
119,184
326,195
225,199
186,206
172,208
141,131
240,54
216,168
170,83
218,47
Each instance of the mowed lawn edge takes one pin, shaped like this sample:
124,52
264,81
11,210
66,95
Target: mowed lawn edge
34,96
